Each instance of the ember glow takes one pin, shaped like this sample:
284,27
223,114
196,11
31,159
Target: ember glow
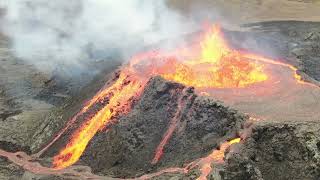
209,64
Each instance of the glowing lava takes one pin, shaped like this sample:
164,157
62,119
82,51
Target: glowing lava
204,164
172,127
217,66
121,92
217,156
82,172
209,64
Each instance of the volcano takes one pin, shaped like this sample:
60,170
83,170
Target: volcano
217,67
200,111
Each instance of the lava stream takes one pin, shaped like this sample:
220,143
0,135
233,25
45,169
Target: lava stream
274,62
28,163
168,134
122,93
204,164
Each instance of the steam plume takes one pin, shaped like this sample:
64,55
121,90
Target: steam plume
50,33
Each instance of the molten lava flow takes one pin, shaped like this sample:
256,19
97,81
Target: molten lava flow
274,62
121,94
172,127
205,164
210,64
30,164
217,156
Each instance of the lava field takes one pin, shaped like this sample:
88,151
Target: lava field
213,107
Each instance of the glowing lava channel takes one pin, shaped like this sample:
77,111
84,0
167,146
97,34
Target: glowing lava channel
172,127
80,139
204,164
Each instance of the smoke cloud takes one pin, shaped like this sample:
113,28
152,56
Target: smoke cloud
70,33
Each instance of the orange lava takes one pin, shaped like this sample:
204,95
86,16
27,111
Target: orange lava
279,63
217,66
168,134
209,64
205,164
217,156
117,103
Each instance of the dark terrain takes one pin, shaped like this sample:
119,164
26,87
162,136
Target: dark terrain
32,114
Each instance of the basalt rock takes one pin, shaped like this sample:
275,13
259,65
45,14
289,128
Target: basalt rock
273,151
286,151
128,148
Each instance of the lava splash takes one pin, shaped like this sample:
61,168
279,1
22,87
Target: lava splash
209,64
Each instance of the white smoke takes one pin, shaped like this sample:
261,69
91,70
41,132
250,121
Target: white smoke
47,33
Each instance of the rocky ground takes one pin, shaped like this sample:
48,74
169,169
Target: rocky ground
294,42
29,98
202,124
35,105
277,151
237,12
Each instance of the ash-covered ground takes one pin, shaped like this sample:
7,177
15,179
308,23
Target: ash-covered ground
30,117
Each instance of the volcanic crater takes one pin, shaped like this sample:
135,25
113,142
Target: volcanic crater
245,116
